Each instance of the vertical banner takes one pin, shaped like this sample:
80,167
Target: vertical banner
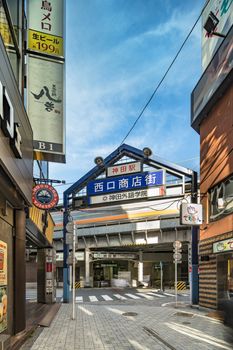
3,286
46,23
45,76
45,105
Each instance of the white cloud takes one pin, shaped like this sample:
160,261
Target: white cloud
106,92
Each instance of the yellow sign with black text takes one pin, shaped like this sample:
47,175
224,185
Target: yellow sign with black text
45,43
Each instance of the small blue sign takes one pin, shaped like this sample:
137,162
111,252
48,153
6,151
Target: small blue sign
125,183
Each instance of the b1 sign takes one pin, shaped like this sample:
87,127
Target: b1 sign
191,214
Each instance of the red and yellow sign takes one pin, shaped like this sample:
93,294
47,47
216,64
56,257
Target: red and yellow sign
46,43
44,196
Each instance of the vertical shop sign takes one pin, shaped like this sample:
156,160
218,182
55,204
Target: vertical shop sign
3,286
45,32
45,95
45,105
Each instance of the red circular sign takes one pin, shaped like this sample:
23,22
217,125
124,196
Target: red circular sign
44,196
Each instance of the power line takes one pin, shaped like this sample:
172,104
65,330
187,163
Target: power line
164,76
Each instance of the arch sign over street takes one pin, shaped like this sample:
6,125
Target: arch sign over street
127,185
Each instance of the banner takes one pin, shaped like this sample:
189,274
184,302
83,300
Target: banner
46,22
128,196
45,77
45,107
126,182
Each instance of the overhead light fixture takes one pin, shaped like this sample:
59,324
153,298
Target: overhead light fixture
221,203
147,152
211,24
99,161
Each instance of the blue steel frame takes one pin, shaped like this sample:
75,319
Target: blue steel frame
135,153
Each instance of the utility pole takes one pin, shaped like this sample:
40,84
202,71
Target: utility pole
161,276
74,261
176,259
194,248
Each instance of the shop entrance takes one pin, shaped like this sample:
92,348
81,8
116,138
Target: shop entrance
106,272
225,277
225,286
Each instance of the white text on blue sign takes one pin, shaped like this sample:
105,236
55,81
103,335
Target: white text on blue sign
125,183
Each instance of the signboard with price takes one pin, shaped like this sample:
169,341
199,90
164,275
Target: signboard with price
46,27
49,44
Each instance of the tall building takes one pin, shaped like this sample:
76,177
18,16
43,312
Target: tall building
23,152
16,168
212,118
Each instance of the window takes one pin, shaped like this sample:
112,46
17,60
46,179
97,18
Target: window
221,199
8,32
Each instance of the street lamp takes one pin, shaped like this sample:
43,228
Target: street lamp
99,161
147,152
211,24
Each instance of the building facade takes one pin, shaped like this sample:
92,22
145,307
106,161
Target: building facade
212,118
16,169
21,224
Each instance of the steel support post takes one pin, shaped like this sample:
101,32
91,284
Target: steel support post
194,248
73,273
66,293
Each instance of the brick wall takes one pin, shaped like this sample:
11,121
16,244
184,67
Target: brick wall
208,271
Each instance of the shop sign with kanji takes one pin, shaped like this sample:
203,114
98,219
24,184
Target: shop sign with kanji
46,43
125,183
128,168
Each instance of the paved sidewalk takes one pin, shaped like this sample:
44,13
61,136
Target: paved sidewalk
104,327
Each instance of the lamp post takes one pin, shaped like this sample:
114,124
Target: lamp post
65,252
73,270
194,247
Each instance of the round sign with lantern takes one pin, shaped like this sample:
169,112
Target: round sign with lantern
44,196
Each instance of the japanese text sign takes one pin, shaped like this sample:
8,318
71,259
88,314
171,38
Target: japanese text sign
125,183
223,246
127,196
191,214
46,16
45,105
49,44
45,22
121,169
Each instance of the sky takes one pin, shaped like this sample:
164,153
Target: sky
116,53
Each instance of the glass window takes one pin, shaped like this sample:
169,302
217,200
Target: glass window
225,277
5,28
221,199
9,33
230,278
